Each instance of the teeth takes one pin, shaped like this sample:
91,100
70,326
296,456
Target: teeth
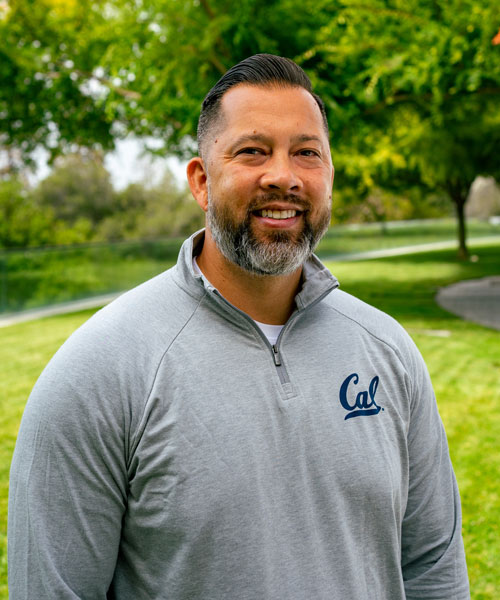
278,214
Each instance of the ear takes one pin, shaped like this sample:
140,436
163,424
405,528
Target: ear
197,180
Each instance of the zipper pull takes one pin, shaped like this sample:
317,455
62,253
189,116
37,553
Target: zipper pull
276,355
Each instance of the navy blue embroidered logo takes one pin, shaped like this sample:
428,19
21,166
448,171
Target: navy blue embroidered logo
364,404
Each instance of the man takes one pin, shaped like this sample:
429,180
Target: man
239,428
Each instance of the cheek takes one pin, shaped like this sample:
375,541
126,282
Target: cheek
321,194
232,185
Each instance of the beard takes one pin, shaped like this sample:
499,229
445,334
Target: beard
278,252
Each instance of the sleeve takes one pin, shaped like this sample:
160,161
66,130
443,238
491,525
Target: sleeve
433,558
68,483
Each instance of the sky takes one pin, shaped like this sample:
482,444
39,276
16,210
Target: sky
125,165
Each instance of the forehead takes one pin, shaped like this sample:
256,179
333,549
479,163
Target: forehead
268,109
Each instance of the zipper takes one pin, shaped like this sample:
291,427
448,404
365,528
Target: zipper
280,367
277,357
278,363
275,348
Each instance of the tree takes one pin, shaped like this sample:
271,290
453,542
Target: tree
412,87
78,188
23,222
87,72
50,94
419,106
145,211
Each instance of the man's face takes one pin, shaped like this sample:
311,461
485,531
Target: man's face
269,178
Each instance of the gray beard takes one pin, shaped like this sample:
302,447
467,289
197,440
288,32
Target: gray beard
281,254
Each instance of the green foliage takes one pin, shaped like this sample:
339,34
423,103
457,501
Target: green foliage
147,65
412,88
49,49
76,203
35,278
25,222
22,222
381,205
143,211
413,93
77,190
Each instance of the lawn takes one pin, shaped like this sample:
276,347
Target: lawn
463,359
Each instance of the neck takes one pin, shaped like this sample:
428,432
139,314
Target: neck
265,298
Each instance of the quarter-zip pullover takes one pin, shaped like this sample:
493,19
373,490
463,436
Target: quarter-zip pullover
169,451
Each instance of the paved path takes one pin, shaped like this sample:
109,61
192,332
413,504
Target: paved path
414,249
483,307
56,309
476,300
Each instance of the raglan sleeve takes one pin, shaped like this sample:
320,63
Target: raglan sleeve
433,558
68,480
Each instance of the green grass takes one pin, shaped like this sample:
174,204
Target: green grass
463,359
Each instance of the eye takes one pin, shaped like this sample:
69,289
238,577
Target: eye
309,153
251,151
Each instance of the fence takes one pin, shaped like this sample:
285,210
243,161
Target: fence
36,277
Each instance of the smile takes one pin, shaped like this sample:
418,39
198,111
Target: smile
277,214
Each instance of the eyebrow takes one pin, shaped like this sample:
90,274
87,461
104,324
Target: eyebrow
304,137
251,137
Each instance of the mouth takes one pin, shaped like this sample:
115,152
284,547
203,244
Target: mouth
278,218
277,214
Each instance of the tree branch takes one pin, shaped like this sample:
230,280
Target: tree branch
220,42
400,98
390,12
207,9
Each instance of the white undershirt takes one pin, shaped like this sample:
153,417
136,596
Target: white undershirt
270,331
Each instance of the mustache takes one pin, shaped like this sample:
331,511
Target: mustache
264,199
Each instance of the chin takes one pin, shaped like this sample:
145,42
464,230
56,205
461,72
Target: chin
278,236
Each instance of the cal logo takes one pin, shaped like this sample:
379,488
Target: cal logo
359,403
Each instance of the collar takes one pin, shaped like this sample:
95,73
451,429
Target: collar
317,281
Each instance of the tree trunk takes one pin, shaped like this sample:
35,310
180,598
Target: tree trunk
463,252
459,196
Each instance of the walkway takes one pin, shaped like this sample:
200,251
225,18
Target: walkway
476,300
413,249
57,309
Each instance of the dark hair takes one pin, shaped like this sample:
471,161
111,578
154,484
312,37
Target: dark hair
260,69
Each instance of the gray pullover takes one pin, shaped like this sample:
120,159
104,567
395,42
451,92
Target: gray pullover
169,452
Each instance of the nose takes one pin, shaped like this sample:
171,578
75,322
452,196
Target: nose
281,175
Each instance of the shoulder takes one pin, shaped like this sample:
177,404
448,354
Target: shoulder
111,361
152,312
362,320
149,315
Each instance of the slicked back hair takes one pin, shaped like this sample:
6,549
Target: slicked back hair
265,70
